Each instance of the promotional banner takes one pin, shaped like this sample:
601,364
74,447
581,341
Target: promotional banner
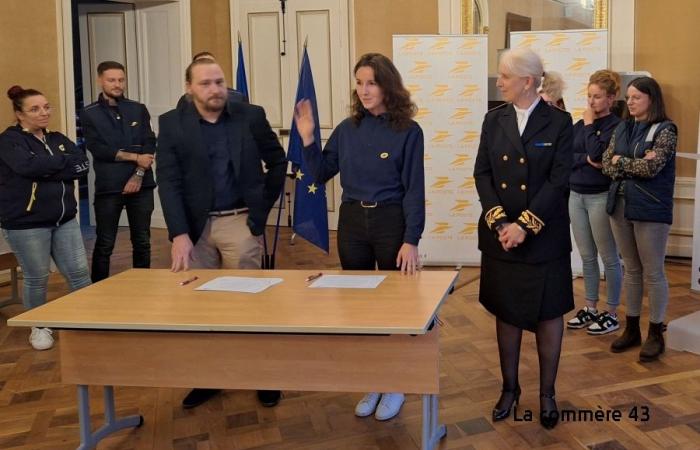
575,54
447,77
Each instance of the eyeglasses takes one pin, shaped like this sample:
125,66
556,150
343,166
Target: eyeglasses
38,109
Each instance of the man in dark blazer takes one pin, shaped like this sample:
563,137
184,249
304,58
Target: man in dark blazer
118,133
214,193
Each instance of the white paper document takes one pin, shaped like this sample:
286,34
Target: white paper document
348,281
239,284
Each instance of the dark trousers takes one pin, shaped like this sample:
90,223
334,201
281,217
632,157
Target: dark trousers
370,238
108,208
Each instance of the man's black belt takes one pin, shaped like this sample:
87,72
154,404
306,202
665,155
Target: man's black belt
228,212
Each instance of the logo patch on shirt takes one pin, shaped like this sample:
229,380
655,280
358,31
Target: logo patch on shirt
384,155
543,144
133,124
62,148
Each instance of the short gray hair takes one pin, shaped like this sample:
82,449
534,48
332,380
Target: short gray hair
523,62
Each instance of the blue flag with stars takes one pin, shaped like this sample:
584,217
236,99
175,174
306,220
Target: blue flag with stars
241,80
310,210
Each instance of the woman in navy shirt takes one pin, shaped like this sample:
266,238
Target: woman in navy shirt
378,152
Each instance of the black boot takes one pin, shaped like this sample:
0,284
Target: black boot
631,337
654,345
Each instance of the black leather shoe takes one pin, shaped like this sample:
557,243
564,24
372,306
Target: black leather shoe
509,398
269,398
198,396
549,413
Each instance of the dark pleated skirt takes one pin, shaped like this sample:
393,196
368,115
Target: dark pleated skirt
524,294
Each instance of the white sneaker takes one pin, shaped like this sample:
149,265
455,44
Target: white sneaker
41,338
389,406
367,405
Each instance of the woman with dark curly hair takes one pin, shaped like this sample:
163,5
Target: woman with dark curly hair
378,151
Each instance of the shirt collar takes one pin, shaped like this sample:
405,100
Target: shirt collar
529,110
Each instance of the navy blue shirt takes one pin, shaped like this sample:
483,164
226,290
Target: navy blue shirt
227,196
591,141
376,164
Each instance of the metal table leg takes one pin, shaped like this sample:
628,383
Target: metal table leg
88,439
432,430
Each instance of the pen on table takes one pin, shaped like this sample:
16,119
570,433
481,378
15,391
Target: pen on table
313,277
182,283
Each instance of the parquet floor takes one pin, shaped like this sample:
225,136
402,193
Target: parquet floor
38,412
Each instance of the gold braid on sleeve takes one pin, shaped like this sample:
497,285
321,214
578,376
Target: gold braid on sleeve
531,221
494,214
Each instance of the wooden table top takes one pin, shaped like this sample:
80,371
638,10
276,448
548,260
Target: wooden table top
152,299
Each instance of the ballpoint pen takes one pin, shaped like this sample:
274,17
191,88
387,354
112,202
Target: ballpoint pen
313,277
188,281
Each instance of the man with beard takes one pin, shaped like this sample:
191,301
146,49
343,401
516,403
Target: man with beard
214,193
118,133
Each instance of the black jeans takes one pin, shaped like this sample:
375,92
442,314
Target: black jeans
370,238
108,208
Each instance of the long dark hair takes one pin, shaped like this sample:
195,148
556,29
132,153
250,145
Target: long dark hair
657,108
400,109
17,94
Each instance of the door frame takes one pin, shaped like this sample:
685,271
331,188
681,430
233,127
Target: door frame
65,56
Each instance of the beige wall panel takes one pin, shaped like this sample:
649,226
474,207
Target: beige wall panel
29,54
211,31
666,46
377,20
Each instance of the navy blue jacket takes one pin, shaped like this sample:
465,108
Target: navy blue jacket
648,198
37,188
591,141
376,164
184,174
105,136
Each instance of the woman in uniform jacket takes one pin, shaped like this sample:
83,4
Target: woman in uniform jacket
522,173
379,154
641,161
38,169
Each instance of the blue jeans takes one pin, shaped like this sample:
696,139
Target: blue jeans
593,234
34,249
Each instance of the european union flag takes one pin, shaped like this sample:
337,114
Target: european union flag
241,80
310,210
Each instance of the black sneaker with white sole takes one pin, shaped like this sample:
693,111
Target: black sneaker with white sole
606,323
584,317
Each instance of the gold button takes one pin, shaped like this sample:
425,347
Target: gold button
503,185
505,157
522,160
523,187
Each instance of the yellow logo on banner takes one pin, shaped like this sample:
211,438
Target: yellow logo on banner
469,228
528,40
578,64
460,159
428,202
420,66
440,136
440,90
440,228
460,66
461,205
577,113
588,39
414,88
460,113
469,183
557,40
469,90
440,44
441,182
583,92
422,112
469,44
427,157
469,137
411,44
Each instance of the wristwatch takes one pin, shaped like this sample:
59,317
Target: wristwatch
140,172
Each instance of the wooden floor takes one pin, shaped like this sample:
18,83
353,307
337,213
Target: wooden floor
38,412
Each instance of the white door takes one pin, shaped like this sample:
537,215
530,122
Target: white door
273,44
145,37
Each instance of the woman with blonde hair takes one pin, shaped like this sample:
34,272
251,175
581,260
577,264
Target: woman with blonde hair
552,89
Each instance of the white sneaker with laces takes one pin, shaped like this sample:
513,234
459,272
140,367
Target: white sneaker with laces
41,338
389,406
367,405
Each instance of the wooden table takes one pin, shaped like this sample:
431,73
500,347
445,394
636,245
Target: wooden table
141,328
